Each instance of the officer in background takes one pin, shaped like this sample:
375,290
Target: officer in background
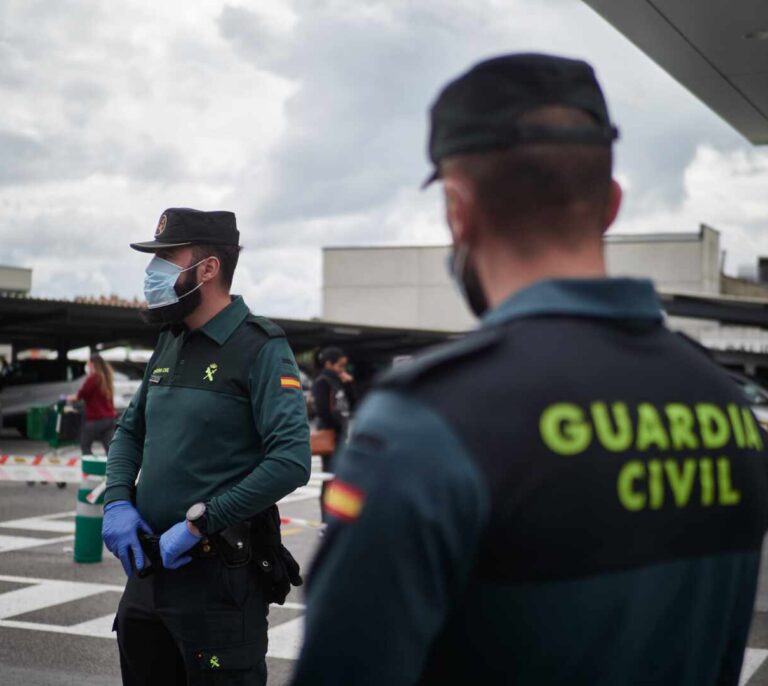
570,495
219,431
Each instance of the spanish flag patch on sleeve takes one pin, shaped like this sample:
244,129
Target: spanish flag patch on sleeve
343,501
290,382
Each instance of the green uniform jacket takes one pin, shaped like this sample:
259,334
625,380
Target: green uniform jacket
220,418
558,498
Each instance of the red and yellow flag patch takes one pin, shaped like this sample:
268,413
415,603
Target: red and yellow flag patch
343,501
290,382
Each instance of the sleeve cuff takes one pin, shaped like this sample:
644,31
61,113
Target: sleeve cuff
118,493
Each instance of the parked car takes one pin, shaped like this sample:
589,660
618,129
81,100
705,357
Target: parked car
36,382
43,382
756,396
127,377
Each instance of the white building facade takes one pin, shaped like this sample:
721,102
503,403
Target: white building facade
410,287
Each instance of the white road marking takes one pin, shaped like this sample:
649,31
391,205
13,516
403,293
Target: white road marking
47,594
303,493
34,580
753,658
44,523
9,543
285,639
101,627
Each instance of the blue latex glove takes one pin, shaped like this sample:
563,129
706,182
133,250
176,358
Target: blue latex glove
120,533
174,543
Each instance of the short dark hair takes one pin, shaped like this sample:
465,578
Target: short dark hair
332,355
546,182
227,255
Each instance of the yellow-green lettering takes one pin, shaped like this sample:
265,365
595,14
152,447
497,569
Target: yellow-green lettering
617,440
681,478
754,440
650,430
714,426
628,496
655,484
706,479
728,494
564,429
734,412
681,422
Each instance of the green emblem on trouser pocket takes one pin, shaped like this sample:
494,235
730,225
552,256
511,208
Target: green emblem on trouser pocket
215,662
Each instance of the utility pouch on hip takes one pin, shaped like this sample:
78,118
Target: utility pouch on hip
234,545
278,568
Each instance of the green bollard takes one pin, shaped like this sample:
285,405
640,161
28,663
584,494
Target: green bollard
88,544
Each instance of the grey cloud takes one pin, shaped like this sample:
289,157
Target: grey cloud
356,126
250,35
62,157
22,157
365,76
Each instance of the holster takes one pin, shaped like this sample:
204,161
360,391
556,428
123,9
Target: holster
150,544
278,568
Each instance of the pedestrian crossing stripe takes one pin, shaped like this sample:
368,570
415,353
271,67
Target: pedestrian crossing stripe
285,639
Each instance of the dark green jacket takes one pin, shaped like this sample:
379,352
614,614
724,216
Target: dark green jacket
218,419
570,495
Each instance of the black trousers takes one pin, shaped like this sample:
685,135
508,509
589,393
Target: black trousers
97,430
202,624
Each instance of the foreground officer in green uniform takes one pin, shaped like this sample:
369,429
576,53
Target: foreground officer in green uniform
219,431
570,495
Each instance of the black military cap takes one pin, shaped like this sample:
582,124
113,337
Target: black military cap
184,226
479,111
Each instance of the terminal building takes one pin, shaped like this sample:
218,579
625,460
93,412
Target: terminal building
410,287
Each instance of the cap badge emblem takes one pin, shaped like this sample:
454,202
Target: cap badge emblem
161,226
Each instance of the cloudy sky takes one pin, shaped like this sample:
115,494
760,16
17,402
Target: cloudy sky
308,119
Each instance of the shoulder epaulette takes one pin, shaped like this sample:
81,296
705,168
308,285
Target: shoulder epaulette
267,326
443,356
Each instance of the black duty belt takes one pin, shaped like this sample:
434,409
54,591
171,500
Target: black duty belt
233,546
257,540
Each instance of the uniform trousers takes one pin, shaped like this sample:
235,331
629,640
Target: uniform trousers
200,625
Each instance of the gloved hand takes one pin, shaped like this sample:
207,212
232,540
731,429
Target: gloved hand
174,543
119,531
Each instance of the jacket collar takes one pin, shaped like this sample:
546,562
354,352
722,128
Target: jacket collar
607,298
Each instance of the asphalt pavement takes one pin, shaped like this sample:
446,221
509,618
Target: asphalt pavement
56,615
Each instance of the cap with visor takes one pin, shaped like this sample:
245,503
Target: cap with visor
180,226
480,111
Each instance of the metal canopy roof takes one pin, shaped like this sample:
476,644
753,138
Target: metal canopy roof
65,325
736,311
704,44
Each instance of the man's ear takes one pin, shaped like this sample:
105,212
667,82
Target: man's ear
210,269
613,205
458,208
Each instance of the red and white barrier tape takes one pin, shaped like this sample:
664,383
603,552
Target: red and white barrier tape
37,460
295,521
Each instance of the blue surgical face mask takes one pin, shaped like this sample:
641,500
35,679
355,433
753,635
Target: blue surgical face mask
159,282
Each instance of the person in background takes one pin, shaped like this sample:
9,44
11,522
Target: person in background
97,393
333,396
